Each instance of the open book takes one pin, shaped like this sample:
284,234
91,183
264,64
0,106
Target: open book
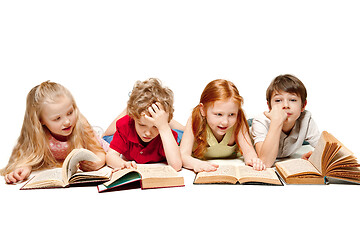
329,159
69,173
233,171
146,176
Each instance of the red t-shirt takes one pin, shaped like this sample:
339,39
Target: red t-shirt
126,142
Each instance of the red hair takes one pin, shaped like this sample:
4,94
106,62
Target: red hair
216,90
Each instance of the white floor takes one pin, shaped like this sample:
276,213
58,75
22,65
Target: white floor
193,211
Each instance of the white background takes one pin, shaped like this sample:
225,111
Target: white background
98,49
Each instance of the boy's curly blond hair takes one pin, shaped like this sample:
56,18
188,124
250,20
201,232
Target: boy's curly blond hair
146,93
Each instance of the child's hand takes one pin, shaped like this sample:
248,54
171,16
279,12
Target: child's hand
202,166
18,175
277,113
87,166
125,164
159,118
256,163
306,156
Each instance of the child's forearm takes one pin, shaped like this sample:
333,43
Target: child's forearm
176,125
268,150
102,157
188,161
171,148
185,151
186,147
198,165
114,160
249,153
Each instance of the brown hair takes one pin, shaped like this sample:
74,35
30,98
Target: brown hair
287,83
146,93
219,89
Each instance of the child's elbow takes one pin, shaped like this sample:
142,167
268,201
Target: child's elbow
268,162
107,158
177,167
110,156
269,165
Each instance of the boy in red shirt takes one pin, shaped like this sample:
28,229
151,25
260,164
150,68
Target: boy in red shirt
144,135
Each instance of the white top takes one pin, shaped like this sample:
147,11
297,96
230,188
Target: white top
305,129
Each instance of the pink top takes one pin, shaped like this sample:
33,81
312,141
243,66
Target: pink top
60,149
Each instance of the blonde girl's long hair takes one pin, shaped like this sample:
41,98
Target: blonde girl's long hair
219,89
32,147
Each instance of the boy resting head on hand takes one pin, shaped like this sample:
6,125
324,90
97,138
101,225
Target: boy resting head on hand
281,131
144,135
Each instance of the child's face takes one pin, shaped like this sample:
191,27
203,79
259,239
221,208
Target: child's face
145,129
221,116
59,117
289,102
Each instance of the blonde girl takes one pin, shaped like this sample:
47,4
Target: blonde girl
52,127
217,129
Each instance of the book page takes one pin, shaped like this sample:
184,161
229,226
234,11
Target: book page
317,155
47,178
118,174
226,162
295,167
102,173
223,174
158,175
345,150
70,165
343,157
226,173
223,170
247,172
331,149
156,171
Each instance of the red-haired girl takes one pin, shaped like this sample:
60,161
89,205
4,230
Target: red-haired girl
217,129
